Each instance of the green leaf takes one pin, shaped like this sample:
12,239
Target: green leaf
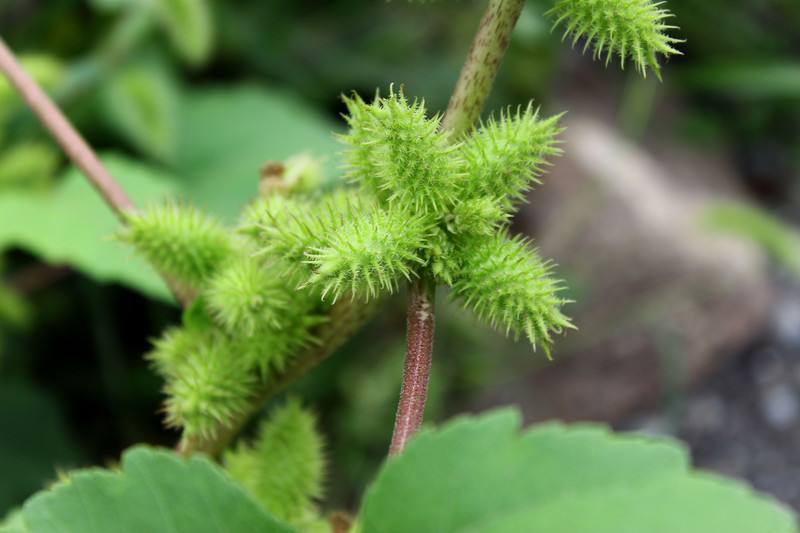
141,103
225,137
481,474
190,27
28,164
71,225
45,70
750,222
757,80
701,504
227,134
14,309
153,491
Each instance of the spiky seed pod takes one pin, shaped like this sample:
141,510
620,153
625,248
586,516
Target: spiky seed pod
180,241
477,216
245,295
208,388
268,211
369,254
507,285
285,229
505,157
283,469
401,155
632,29
174,347
271,348
440,256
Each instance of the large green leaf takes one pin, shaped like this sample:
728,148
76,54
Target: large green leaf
71,225
483,475
227,134
153,491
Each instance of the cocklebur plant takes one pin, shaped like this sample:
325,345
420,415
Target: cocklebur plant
246,320
430,203
440,211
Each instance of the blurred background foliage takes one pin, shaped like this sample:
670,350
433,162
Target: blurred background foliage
189,98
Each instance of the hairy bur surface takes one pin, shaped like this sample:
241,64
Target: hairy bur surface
634,30
284,466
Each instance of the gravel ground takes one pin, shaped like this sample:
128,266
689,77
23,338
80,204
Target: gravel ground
745,421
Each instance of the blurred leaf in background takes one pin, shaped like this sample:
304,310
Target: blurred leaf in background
189,25
779,239
71,225
226,134
758,80
141,102
28,165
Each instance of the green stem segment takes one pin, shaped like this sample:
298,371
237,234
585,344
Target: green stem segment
470,94
482,64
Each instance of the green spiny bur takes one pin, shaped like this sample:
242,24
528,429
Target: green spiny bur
634,30
508,285
175,346
245,296
401,155
466,192
286,228
208,388
369,254
506,156
283,468
180,241
424,207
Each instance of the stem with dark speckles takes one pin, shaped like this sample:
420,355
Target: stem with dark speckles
419,348
481,66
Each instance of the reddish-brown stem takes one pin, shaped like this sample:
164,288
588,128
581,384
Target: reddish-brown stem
469,96
419,349
62,131
73,144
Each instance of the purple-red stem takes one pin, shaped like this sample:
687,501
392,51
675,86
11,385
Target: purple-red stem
62,131
419,348
73,145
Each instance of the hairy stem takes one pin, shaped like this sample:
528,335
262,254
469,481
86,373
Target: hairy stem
419,349
482,64
71,142
470,94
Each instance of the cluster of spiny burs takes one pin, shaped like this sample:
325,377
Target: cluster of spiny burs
420,206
